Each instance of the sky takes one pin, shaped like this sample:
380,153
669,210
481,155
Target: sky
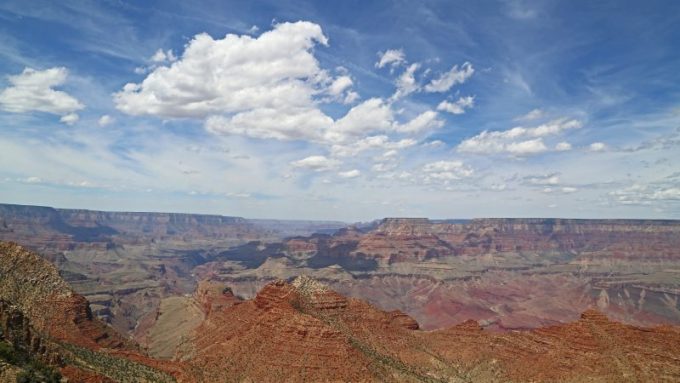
349,110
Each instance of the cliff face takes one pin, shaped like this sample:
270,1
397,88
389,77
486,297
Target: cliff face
42,316
293,332
506,273
421,238
127,262
304,331
72,226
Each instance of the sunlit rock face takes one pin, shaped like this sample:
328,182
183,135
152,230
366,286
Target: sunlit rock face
504,273
304,331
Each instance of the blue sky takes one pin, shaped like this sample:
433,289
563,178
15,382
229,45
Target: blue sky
348,110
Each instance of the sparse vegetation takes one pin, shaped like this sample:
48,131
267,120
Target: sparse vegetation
32,369
119,369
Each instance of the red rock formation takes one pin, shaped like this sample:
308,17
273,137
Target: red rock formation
35,286
305,332
40,312
212,296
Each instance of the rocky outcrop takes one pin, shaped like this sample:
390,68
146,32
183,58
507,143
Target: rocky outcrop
212,295
399,237
42,316
288,332
35,287
303,331
16,329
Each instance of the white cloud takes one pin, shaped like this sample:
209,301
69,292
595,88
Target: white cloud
369,116
351,97
376,115
316,163
32,90
236,74
563,146
446,171
383,167
70,119
271,87
457,107
597,147
425,121
434,144
339,85
160,56
527,147
447,80
350,174
513,141
31,180
380,142
389,154
391,57
638,194
551,179
531,116
341,90
270,123
105,120
563,190
406,83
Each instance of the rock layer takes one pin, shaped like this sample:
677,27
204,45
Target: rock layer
306,332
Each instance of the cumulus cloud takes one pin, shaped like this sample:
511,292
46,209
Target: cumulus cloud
340,90
379,142
69,119
425,121
447,80
523,148
33,90
267,87
339,85
639,194
163,56
301,123
391,57
518,141
350,174
406,83
446,171
597,147
371,115
105,120
376,115
236,74
457,107
316,163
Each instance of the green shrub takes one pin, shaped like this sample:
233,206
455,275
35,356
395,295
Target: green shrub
8,353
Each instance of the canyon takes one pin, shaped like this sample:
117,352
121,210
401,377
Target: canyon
158,278
304,331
